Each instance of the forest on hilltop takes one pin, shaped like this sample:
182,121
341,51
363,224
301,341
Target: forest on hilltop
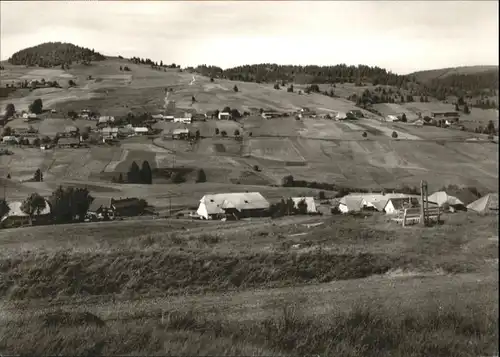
51,54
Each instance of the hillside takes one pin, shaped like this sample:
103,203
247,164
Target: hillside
426,76
51,54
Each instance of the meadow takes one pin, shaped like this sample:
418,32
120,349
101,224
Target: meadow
260,287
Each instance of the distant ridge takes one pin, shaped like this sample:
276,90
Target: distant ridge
428,75
51,54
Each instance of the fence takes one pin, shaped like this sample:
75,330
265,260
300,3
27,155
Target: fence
411,216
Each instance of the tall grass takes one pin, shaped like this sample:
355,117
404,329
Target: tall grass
365,330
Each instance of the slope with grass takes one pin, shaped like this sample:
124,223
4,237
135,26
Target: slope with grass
172,285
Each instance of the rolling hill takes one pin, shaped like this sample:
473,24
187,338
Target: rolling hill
311,149
426,76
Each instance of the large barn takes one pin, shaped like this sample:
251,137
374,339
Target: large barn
237,205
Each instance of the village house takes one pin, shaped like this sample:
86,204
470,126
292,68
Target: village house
181,134
109,133
141,130
269,114
68,142
485,205
182,120
233,205
100,208
199,117
442,198
29,116
341,116
127,207
348,204
106,119
225,116
211,114
396,205
10,139
392,118
157,116
309,201
450,118
356,113
71,130
17,218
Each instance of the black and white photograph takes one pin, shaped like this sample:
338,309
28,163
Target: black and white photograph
249,178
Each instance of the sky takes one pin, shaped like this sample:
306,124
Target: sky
402,36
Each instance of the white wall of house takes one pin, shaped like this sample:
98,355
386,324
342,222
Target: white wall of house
343,208
389,208
202,211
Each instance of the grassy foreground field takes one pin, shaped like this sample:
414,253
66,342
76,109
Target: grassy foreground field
331,286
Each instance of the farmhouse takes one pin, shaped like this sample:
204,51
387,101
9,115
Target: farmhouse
10,140
211,114
341,116
395,205
126,131
309,201
486,204
392,118
182,120
68,142
29,116
238,205
109,133
157,116
16,217
23,130
71,130
269,114
100,208
106,119
141,130
356,113
128,206
225,116
442,198
449,117
350,204
181,133
199,117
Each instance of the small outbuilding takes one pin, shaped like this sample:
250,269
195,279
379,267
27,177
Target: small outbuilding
309,201
486,204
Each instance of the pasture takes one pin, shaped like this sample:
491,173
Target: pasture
248,287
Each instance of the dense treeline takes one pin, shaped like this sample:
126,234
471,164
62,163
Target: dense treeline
341,73
52,54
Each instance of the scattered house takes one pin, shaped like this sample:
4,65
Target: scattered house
71,130
16,217
181,134
21,131
311,204
304,110
225,116
269,114
126,131
210,114
141,130
106,119
128,207
168,118
199,117
238,205
100,207
377,201
396,205
157,116
349,204
29,116
356,113
341,116
182,120
392,118
442,198
109,133
10,140
449,117
68,142
486,204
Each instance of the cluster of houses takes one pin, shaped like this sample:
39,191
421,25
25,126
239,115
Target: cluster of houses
434,118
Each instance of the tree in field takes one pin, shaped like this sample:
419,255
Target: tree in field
302,206
290,206
202,177
71,83
394,135
216,131
211,79
403,118
197,134
4,208
69,204
38,176
466,109
235,88
322,195
37,142
223,133
7,131
236,132
10,110
134,173
290,89
146,174
490,127
36,107
277,86
287,181
32,205
72,114
364,134
457,108
256,168
235,114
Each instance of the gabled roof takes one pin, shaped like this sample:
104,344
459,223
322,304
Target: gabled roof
400,203
98,203
109,130
180,131
485,203
352,203
125,202
441,197
311,204
71,128
216,204
16,211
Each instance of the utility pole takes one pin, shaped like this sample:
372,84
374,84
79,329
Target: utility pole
425,205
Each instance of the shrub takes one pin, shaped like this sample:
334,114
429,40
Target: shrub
201,177
365,134
394,135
